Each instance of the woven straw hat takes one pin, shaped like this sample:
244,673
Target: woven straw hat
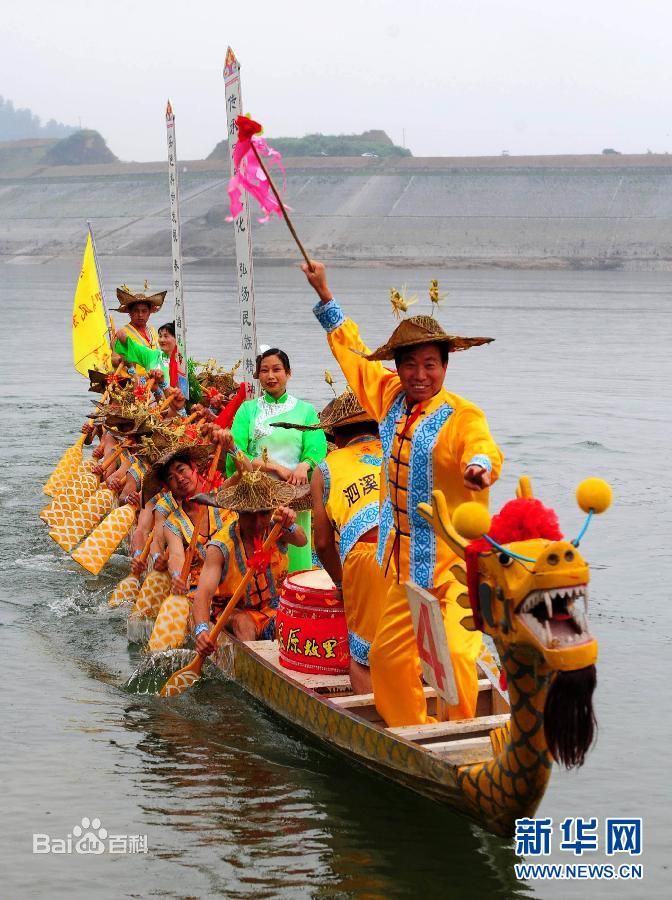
127,298
422,330
216,377
303,499
339,412
98,381
126,416
254,492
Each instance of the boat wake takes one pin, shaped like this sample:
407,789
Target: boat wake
156,668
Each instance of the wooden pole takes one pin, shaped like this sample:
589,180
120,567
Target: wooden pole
242,231
176,243
282,207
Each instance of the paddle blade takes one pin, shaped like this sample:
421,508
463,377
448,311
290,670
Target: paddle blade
81,487
83,520
104,540
65,467
155,668
172,623
155,588
125,592
180,681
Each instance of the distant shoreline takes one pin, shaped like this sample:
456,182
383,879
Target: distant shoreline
603,212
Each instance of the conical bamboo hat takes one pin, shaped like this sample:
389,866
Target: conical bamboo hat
127,298
422,330
255,492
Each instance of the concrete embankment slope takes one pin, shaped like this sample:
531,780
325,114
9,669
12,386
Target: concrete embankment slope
578,212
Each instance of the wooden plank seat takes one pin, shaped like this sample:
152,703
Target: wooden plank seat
434,731
355,700
464,751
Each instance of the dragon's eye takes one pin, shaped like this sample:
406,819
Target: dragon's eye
569,555
552,559
504,559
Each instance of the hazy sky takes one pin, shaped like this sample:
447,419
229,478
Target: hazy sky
457,78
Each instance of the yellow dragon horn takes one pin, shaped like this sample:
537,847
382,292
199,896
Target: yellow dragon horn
524,489
438,517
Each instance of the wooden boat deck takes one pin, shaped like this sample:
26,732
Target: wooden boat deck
459,741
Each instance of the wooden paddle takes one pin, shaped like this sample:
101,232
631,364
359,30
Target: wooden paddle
71,458
127,589
283,208
79,522
186,677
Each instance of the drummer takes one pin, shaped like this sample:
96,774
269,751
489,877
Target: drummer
345,490
239,546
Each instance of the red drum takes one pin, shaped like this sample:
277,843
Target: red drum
310,625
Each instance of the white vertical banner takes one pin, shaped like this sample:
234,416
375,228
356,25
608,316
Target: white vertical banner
241,227
176,243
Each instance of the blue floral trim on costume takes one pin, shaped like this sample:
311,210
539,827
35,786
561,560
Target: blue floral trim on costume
363,520
164,503
420,486
137,470
177,518
386,429
481,460
370,459
388,424
359,648
326,475
329,315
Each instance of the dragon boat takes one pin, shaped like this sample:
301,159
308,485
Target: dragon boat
530,598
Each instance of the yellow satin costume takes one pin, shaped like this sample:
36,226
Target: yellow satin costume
426,447
180,524
138,337
351,500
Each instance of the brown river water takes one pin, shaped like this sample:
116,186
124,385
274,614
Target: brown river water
227,800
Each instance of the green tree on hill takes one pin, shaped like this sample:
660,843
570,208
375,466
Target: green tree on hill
369,143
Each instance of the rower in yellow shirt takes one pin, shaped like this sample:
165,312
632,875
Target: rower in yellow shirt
432,439
345,488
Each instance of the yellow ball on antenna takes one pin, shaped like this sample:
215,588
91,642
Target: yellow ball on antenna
471,520
595,494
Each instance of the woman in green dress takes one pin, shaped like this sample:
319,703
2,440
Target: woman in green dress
291,455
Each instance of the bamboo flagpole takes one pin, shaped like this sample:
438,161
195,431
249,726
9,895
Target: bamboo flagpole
100,283
176,243
241,228
91,344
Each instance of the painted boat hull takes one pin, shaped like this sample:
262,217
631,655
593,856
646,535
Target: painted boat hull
369,744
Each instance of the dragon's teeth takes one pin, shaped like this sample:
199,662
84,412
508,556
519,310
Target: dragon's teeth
547,634
549,604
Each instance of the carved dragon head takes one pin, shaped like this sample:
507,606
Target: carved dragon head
528,589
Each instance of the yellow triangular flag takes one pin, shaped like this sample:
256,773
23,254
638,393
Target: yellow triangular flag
90,344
